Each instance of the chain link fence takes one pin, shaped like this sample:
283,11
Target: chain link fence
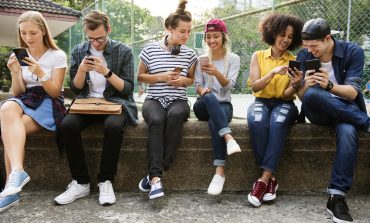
350,18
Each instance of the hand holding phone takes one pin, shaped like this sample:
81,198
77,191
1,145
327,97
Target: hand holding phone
177,69
89,59
203,60
21,54
294,64
313,65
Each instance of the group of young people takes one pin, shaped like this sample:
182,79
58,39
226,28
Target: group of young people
103,68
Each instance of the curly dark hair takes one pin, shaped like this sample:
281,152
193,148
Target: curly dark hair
181,14
276,23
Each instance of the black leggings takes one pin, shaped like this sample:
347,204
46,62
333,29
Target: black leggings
164,133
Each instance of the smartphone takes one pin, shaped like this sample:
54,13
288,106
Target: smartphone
203,60
21,53
294,64
177,69
313,65
89,59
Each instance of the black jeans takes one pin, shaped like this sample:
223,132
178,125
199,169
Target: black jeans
164,133
71,128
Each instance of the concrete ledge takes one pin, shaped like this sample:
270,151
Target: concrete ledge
306,164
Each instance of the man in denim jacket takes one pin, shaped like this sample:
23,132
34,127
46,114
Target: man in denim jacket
332,96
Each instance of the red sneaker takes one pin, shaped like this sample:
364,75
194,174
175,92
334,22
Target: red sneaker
256,195
271,189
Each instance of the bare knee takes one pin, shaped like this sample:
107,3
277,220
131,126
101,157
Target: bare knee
10,110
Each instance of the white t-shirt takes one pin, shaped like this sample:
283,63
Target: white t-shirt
50,60
329,67
98,81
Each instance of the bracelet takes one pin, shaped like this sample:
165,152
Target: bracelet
295,87
109,74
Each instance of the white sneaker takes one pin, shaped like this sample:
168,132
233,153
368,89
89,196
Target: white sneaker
106,193
232,147
216,185
73,192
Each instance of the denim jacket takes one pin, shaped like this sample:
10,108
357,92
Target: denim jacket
348,64
120,61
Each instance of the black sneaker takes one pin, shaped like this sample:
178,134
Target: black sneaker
338,208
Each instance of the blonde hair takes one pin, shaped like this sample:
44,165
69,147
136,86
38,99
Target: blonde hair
39,20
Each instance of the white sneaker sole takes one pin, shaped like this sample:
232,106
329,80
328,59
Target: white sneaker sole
156,196
9,205
107,203
253,202
336,219
271,197
14,190
72,200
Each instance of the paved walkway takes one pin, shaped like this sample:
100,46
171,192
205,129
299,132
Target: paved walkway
180,207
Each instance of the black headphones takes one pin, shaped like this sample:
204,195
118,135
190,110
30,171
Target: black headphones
175,49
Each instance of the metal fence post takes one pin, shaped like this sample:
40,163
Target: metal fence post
349,18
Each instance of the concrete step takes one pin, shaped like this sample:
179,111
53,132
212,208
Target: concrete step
306,164
181,207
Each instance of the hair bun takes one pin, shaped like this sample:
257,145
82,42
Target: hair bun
181,7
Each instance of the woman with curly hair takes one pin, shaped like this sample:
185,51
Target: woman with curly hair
273,110
168,68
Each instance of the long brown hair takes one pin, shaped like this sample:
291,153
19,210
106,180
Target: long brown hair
39,20
181,14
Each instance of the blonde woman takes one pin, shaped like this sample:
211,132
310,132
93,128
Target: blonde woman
38,101
215,76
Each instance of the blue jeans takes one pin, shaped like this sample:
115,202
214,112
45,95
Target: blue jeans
268,122
322,108
218,114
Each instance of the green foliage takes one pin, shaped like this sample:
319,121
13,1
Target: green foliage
145,24
75,4
4,56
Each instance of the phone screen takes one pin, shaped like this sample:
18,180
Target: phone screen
20,53
313,65
294,64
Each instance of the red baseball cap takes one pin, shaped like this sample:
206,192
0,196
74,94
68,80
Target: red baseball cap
215,25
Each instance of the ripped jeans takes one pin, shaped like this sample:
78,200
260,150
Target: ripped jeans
268,123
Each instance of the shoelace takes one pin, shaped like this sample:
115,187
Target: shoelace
259,189
157,184
270,187
70,188
104,187
11,180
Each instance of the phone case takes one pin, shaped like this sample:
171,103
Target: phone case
313,65
21,53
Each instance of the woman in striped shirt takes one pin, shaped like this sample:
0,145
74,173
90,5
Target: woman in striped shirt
168,68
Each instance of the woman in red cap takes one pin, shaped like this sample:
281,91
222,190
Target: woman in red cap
215,76
273,111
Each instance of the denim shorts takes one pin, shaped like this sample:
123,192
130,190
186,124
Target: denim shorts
43,114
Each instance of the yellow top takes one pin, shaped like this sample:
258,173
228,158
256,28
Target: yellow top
277,85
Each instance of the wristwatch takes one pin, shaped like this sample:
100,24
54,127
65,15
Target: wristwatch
44,78
329,86
109,74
